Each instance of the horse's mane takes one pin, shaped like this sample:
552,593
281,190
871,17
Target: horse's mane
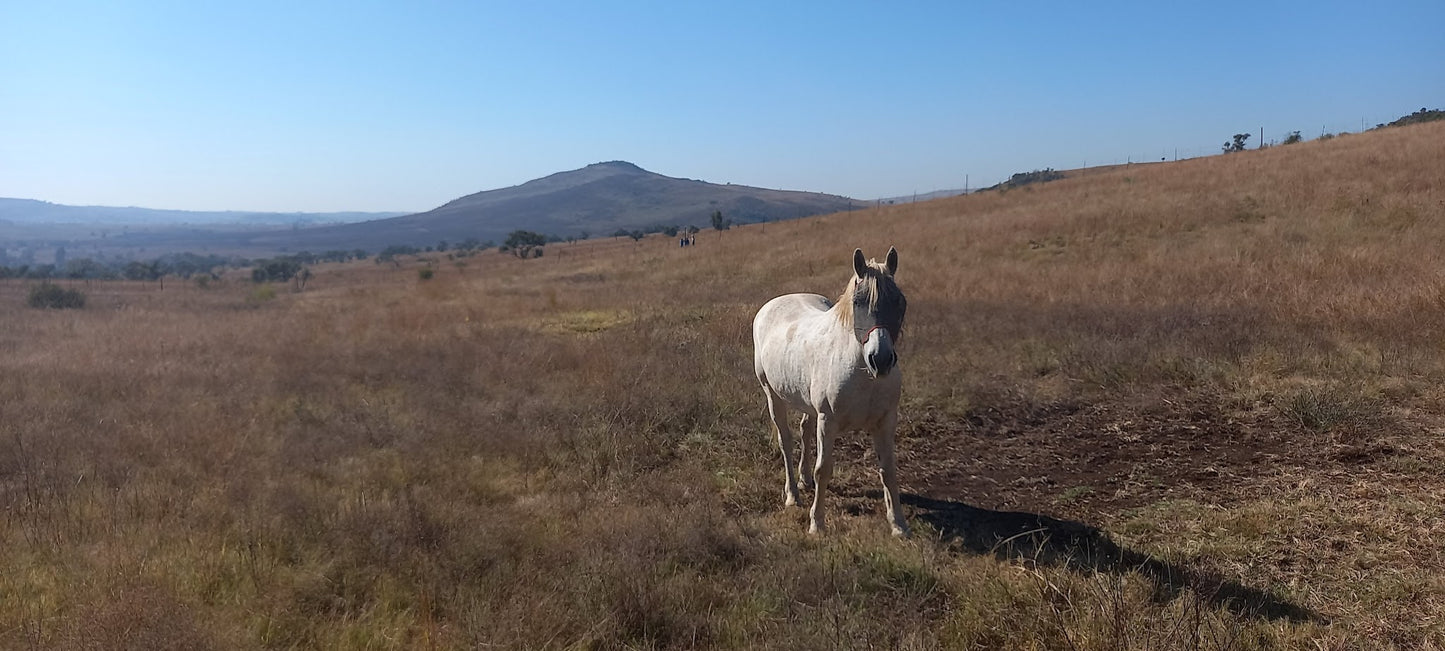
880,289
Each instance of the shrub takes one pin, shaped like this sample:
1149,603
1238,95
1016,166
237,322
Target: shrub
277,270
261,294
425,273
47,295
1021,179
523,243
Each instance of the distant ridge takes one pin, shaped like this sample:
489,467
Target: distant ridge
597,200
31,211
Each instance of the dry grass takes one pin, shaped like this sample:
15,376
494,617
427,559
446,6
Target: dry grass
570,452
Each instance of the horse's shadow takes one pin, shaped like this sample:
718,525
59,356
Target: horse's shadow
1040,539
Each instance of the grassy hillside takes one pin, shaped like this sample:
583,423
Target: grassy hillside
1184,405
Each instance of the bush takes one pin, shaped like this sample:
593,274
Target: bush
425,273
47,295
1021,179
523,243
261,294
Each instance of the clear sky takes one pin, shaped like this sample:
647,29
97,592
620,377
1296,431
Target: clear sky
355,105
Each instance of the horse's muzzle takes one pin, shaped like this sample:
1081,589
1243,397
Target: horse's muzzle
878,354
880,363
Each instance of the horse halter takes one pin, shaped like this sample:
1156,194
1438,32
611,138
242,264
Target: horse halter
892,335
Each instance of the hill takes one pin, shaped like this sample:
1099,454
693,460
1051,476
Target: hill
32,212
597,199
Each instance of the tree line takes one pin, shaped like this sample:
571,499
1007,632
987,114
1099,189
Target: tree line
283,268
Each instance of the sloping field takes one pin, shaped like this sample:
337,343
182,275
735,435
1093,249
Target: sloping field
1185,405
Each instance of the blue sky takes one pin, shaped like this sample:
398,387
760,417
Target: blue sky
327,106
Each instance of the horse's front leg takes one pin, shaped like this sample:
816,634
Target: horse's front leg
883,444
823,470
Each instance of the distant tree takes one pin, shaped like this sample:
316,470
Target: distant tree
87,268
137,270
1020,179
442,246
1292,138
1237,145
1422,115
636,235
524,243
622,232
277,270
389,253
718,222
670,231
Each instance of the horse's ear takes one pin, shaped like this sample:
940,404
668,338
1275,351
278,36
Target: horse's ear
860,266
892,263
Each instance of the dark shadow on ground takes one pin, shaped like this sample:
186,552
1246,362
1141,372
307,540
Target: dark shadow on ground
1031,537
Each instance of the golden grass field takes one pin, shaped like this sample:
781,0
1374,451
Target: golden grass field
1192,405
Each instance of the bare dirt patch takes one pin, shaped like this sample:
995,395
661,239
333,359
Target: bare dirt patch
1094,461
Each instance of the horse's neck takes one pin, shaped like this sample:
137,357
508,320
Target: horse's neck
841,321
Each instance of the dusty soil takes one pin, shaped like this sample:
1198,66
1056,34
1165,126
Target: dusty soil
1091,462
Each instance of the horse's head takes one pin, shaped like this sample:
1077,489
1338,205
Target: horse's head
877,308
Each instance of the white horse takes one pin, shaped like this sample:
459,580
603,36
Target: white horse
836,364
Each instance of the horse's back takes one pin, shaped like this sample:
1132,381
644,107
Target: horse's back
788,308
775,331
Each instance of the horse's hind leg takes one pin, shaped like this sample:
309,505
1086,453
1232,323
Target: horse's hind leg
778,410
805,464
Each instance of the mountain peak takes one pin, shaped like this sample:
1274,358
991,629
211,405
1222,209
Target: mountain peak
619,165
